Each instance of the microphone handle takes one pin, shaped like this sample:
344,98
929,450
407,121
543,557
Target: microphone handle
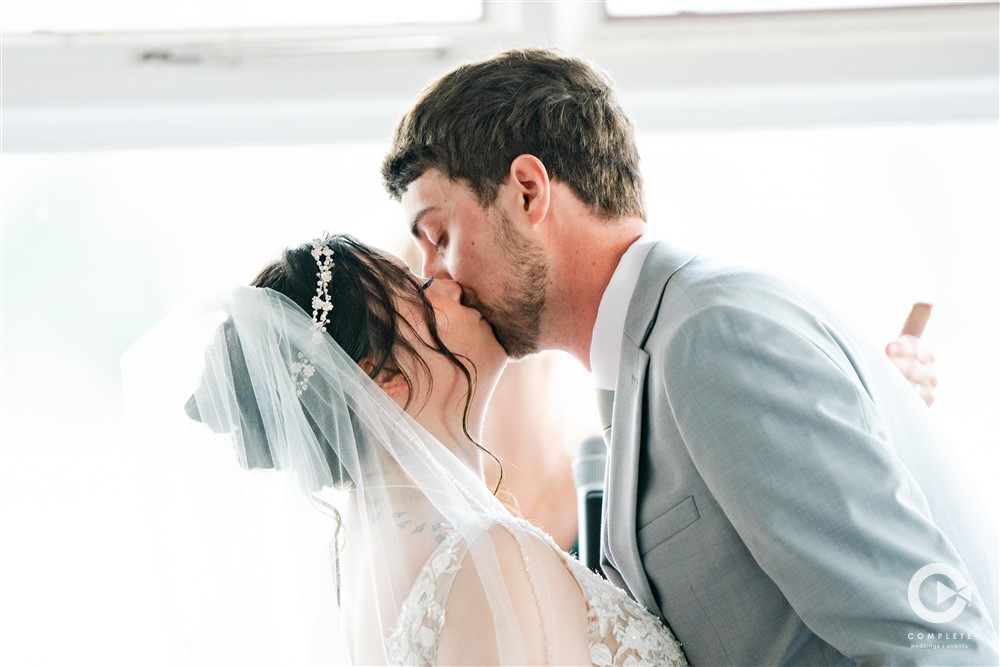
589,540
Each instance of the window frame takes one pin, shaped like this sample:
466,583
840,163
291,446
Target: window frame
95,91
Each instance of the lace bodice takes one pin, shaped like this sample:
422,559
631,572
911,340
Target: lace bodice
621,631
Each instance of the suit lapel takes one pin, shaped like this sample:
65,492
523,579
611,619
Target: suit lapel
622,484
619,530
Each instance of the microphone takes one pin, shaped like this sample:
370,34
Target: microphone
588,476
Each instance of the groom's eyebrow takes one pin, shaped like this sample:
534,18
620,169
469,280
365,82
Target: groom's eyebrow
415,225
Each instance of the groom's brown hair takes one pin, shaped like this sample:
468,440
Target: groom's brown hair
472,122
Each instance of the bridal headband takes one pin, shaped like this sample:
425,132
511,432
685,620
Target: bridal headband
322,304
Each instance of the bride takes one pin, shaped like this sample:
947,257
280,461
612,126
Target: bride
339,365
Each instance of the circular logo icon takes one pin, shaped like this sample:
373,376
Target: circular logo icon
958,591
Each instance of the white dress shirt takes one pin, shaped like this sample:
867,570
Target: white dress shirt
609,327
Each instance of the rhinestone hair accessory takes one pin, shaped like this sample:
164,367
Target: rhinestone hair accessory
322,304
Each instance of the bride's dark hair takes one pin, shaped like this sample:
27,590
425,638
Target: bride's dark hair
365,322
366,288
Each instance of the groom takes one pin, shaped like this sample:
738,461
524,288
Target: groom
775,490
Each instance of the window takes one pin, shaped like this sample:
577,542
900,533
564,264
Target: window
98,245
126,15
635,8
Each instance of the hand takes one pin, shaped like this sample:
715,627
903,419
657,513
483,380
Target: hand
916,362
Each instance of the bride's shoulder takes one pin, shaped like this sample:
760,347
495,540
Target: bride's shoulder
513,536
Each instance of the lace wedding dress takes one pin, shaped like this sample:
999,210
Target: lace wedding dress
620,630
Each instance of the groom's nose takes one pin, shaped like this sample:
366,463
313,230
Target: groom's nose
433,267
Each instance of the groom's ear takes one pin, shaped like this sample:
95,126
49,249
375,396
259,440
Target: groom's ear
530,181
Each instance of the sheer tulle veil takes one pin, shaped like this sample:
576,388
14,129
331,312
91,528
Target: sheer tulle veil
379,497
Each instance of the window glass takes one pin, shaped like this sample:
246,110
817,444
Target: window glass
133,15
97,246
634,8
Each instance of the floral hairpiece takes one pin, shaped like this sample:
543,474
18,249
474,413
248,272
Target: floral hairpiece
322,304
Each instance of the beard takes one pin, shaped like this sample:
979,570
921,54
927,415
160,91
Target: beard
517,320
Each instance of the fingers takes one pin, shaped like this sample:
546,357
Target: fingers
916,362
910,347
926,393
919,374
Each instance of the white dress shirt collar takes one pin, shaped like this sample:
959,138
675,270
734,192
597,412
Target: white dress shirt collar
609,327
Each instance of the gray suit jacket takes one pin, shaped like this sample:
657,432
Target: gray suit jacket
774,484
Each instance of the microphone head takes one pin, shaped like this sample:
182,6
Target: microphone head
589,464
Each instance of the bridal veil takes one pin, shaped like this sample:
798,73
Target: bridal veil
397,549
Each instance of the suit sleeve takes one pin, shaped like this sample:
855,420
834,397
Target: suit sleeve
796,454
